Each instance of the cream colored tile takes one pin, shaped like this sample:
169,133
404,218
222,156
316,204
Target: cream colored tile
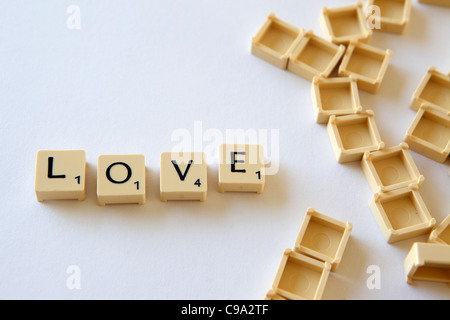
429,134
241,168
323,238
394,14
390,169
60,175
300,277
401,214
433,91
183,176
353,135
314,57
428,262
275,41
343,24
121,179
367,64
334,96
442,232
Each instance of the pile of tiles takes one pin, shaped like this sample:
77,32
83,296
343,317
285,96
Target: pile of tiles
345,51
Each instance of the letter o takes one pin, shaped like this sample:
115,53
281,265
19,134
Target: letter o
108,172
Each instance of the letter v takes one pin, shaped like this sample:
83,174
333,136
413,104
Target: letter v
181,175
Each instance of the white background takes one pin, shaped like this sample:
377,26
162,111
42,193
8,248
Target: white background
137,71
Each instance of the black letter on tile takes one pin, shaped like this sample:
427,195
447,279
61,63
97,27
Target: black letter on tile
182,176
108,172
234,161
50,170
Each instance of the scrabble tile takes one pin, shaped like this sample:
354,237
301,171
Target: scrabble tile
367,64
314,57
334,96
429,134
442,233
60,175
183,176
300,277
428,262
390,169
343,24
323,238
433,91
353,135
401,214
395,14
241,168
275,41
121,179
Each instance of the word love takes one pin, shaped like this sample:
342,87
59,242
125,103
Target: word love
61,175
